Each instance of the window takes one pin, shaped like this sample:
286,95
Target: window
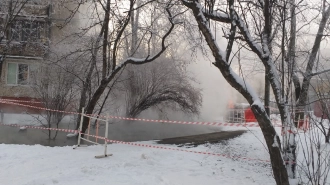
18,74
27,30
3,7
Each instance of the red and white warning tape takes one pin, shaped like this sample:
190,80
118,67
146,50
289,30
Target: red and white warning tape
179,149
41,128
134,144
20,101
150,120
34,107
176,149
193,122
141,144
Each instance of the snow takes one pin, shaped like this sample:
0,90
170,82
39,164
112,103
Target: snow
220,14
248,36
294,181
275,144
257,101
36,165
248,88
72,135
22,128
238,79
243,160
265,45
23,57
135,60
129,59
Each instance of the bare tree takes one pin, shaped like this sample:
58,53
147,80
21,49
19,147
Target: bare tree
55,88
258,34
107,52
302,94
320,101
161,85
262,50
314,164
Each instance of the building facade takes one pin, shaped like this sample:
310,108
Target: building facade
27,29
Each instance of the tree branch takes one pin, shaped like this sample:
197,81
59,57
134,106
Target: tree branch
319,72
232,30
139,61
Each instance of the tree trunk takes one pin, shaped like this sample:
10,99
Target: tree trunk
83,95
327,137
267,95
312,57
270,135
289,142
96,96
92,103
87,82
115,67
273,145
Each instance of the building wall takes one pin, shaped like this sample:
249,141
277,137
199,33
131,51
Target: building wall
16,90
33,52
23,52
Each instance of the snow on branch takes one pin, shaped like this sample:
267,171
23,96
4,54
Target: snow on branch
203,26
231,37
218,16
234,80
319,72
132,60
248,38
263,54
225,18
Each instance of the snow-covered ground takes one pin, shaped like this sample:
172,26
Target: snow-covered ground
36,165
40,165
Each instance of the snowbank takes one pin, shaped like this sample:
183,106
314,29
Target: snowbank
36,165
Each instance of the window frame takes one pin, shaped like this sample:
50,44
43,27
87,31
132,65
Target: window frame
17,74
19,30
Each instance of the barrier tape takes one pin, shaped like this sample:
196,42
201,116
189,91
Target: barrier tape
40,128
135,144
140,144
178,149
149,120
191,122
32,101
25,101
20,101
175,149
34,107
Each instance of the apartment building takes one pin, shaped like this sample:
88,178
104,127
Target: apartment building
27,28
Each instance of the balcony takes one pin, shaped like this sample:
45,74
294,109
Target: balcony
30,49
30,8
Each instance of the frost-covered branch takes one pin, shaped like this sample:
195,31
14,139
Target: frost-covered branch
312,57
116,66
225,18
232,33
138,61
319,72
235,81
218,16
